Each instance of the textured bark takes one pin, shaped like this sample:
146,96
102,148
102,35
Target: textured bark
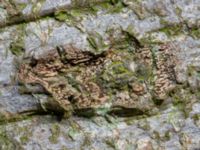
132,77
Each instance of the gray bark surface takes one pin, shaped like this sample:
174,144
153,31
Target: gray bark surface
166,117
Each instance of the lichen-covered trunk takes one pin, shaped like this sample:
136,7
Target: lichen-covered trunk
99,74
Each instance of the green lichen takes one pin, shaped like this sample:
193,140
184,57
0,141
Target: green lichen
21,6
80,12
130,121
178,11
25,133
139,42
24,139
191,70
65,16
17,46
116,76
144,125
172,30
102,6
111,143
74,16
36,8
76,13
156,135
117,7
118,68
139,10
72,133
74,83
74,129
6,142
131,31
92,42
176,97
146,40
96,42
55,133
83,3
195,33
139,1
167,135
61,16
6,117
163,22
181,98
145,73
196,117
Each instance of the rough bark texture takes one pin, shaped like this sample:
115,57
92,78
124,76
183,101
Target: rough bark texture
128,74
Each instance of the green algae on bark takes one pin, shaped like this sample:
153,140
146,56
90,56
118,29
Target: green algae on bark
6,141
17,46
195,33
55,133
172,30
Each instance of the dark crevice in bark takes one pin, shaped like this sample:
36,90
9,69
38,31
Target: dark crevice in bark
23,19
